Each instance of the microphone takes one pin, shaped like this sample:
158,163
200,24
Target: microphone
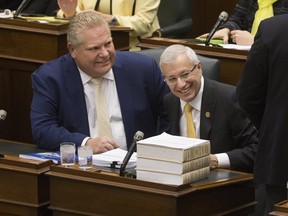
139,135
21,7
3,114
221,19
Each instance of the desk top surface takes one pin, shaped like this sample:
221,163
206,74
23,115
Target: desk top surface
198,48
8,147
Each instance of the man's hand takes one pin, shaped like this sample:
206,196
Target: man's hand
213,161
68,7
220,34
101,144
242,37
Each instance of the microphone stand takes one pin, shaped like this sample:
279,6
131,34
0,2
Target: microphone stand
20,9
221,19
138,136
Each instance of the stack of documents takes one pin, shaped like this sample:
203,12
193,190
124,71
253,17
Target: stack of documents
173,160
114,158
235,46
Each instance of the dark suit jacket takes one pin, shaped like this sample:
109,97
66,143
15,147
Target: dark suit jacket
58,111
227,127
42,7
10,4
263,92
242,17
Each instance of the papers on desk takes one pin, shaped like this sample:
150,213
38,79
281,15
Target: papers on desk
114,158
2,15
203,40
43,156
219,42
6,14
235,46
45,19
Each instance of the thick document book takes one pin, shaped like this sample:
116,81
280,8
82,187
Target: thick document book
172,167
172,159
173,179
173,148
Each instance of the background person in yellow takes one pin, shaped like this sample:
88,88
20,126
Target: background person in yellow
139,15
242,24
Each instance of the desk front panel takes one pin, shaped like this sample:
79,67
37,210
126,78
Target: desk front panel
102,194
24,189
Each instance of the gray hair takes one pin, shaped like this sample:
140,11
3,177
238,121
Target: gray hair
84,20
170,53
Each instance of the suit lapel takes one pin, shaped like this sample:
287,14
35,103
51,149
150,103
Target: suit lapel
207,109
124,87
172,105
75,94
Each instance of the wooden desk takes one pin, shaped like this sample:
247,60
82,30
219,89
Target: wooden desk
24,47
24,189
8,147
280,209
232,61
43,42
76,192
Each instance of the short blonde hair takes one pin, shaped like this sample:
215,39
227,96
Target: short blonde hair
84,20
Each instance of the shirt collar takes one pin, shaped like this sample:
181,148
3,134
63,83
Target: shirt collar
86,78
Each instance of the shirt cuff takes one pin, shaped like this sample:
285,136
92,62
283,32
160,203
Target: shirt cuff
84,141
223,160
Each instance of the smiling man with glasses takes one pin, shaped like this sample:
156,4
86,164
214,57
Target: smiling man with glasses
216,115
183,76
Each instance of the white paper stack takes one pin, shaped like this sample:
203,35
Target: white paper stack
114,158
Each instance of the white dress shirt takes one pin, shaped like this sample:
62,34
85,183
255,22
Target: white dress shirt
113,106
223,159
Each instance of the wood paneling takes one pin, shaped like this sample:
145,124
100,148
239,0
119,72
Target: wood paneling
205,14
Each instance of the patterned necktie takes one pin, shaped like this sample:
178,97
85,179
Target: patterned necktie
103,123
190,124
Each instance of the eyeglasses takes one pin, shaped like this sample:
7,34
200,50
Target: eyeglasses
183,76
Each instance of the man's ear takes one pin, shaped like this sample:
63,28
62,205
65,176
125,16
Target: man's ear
199,66
71,50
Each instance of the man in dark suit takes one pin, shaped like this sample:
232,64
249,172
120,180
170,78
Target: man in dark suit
64,101
32,7
216,114
262,93
43,7
8,4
